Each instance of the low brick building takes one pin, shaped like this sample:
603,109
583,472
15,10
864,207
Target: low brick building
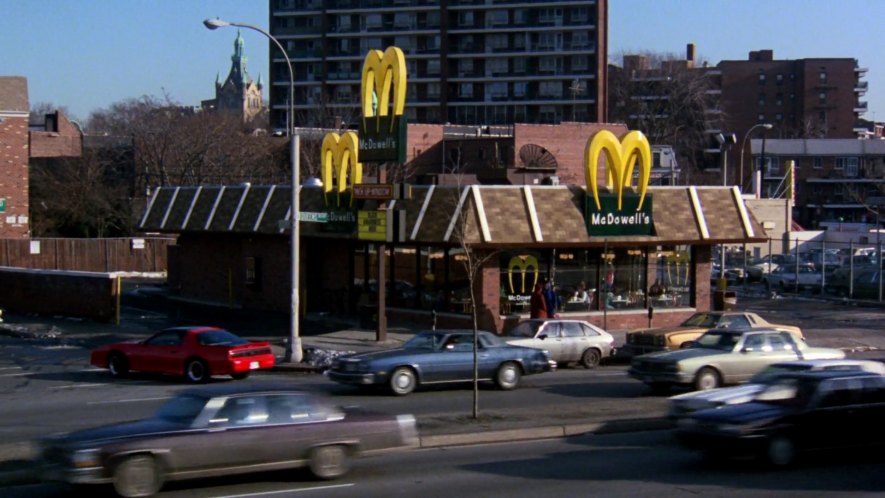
14,155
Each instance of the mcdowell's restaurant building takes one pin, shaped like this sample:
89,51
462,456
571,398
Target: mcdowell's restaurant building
611,253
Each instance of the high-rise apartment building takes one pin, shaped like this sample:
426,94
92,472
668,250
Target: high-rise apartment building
475,62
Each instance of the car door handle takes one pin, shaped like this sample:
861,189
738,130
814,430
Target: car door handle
484,356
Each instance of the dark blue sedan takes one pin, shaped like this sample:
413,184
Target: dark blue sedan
441,356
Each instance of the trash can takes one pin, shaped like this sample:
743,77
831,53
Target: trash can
368,314
725,300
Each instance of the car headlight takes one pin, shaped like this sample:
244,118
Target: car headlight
84,459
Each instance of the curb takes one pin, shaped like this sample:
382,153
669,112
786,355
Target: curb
23,455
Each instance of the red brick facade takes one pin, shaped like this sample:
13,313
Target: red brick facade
61,138
14,157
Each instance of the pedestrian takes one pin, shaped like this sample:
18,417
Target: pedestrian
537,303
550,299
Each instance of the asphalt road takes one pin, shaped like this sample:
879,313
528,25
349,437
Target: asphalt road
617,465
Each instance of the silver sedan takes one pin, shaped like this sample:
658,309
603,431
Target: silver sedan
566,341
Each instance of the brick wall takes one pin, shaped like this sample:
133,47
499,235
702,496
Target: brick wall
566,142
14,221
63,140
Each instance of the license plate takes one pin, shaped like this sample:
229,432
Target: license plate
253,365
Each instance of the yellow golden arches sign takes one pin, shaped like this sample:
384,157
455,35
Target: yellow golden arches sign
621,157
382,131
522,264
340,155
384,72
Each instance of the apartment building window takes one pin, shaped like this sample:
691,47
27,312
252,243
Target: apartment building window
519,65
433,42
433,67
823,76
760,118
465,67
580,62
761,78
343,94
761,100
404,20
779,79
546,41
406,43
550,16
849,165
496,66
779,100
520,88
344,45
547,114
433,90
496,18
498,89
778,117
432,19
550,65
520,16
580,39
822,117
344,23
465,90
822,97
580,15
465,19
550,89
373,21
520,113
817,162
497,41
519,41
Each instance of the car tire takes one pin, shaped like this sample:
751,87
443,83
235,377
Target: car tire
591,358
196,371
781,451
240,375
137,475
508,375
118,365
706,379
403,381
329,462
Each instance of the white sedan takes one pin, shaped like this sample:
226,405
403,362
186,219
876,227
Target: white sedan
566,341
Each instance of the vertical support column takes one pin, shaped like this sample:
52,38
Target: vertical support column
487,289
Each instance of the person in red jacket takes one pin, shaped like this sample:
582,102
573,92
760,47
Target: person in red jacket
538,304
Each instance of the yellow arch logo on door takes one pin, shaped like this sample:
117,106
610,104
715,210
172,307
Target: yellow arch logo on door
522,264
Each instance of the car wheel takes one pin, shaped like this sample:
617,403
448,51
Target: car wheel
706,379
118,365
781,451
196,371
508,375
137,476
240,375
403,381
329,462
590,358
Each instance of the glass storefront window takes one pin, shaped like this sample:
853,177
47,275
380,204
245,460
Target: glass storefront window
576,279
623,281
672,286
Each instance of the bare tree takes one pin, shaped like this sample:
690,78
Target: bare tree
665,97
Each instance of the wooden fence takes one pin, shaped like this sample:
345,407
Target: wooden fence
142,255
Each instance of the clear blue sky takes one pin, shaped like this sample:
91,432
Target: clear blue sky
87,54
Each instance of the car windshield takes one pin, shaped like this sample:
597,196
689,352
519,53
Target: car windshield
220,338
524,329
424,341
182,409
702,320
717,339
786,392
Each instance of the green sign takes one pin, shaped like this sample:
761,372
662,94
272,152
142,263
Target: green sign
383,139
2,204
613,221
340,221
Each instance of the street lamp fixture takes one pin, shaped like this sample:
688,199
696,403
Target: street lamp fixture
766,126
293,347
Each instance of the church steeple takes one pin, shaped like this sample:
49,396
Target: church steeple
238,75
238,93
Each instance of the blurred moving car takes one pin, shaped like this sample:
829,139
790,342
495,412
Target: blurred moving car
723,356
197,353
223,430
641,341
687,403
566,341
765,265
801,412
441,356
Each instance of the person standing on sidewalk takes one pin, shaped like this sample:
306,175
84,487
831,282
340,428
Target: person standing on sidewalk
538,304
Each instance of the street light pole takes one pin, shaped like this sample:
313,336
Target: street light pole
293,347
767,126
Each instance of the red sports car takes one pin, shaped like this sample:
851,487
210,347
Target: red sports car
195,352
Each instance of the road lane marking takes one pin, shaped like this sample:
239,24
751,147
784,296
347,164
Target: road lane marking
10,368
293,490
17,375
131,400
74,386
